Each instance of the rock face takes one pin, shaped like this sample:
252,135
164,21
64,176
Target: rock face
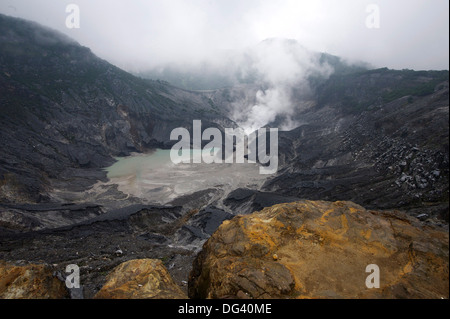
30,282
319,249
391,156
140,279
64,109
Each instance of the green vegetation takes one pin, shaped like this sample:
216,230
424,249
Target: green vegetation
411,84
360,90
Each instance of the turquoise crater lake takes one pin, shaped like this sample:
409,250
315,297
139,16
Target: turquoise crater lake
154,178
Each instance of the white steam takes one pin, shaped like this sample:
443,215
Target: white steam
282,68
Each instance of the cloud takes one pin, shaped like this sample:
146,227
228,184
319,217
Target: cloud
136,34
227,37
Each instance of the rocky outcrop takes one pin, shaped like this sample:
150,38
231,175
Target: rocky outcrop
385,155
34,281
140,279
319,249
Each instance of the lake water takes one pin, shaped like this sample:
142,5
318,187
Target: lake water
156,179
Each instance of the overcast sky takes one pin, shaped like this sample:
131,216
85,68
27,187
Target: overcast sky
136,34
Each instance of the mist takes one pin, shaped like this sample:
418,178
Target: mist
228,38
137,35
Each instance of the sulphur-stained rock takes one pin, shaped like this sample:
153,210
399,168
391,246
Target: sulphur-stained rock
30,282
140,279
318,249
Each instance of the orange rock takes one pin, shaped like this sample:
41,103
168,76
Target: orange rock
30,282
140,279
322,251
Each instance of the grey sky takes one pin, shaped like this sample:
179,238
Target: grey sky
137,34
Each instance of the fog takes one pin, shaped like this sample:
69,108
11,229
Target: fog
229,38
139,34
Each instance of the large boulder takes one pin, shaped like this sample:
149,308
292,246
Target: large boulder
140,279
318,249
33,281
